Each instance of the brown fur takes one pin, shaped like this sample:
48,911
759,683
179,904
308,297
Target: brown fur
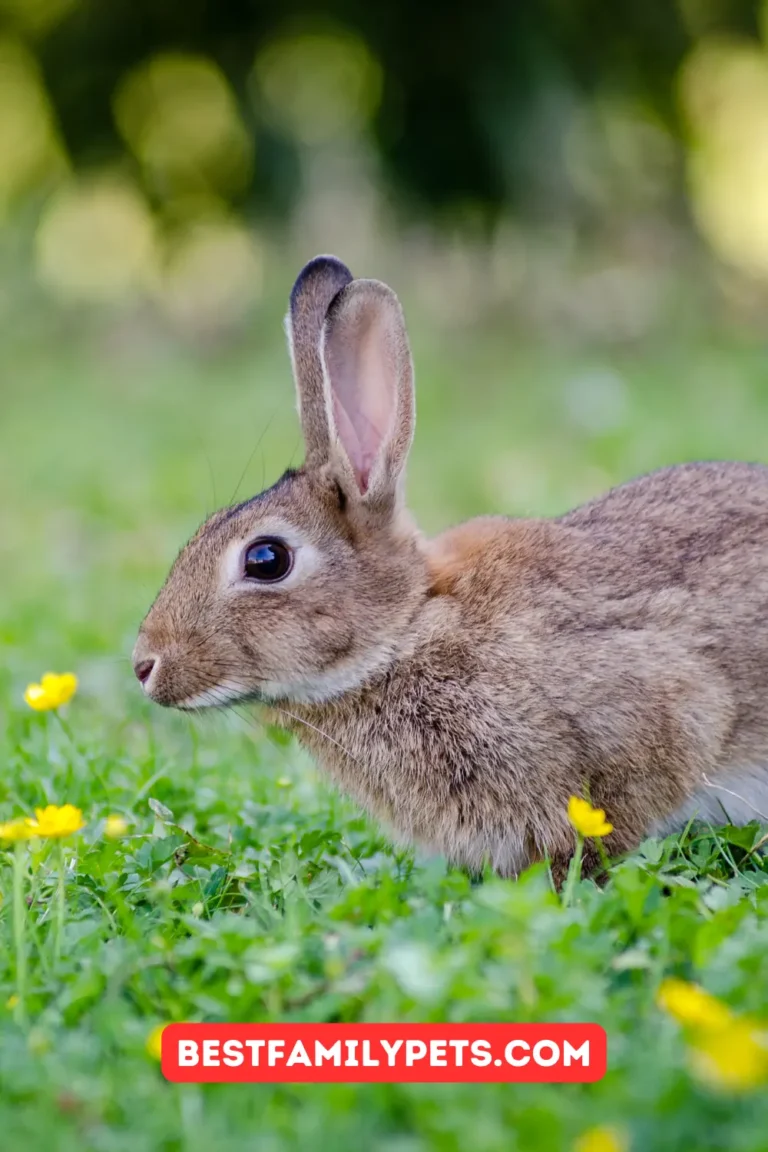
463,688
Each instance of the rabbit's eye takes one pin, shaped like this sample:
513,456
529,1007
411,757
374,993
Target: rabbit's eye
268,560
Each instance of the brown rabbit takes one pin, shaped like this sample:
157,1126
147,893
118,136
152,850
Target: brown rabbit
463,688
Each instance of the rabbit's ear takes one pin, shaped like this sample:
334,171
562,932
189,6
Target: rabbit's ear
369,388
317,284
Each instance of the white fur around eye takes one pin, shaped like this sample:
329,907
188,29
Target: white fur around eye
306,559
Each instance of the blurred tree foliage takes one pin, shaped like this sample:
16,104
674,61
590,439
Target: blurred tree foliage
458,80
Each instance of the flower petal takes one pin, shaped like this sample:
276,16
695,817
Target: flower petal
115,826
693,1005
154,1042
587,821
55,822
37,697
52,691
734,1058
19,829
67,687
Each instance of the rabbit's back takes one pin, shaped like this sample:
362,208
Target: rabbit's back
686,548
694,534
708,499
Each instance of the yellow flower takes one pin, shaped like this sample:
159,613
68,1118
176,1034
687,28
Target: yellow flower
19,829
600,1140
11,1002
692,1005
733,1058
587,821
52,691
154,1044
727,1052
55,822
114,827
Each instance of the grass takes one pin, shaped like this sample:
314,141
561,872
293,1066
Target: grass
244,888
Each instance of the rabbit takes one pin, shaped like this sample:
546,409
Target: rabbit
462,688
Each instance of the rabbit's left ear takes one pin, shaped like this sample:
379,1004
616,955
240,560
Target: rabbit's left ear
317,284
369,390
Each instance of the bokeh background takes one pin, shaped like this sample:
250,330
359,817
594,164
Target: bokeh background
166,154
571,199
153,151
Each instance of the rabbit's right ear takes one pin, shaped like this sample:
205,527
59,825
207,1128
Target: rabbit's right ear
369,391
318,283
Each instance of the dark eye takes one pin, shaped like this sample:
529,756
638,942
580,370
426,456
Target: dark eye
268,560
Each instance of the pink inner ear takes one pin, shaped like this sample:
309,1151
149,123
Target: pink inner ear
364,393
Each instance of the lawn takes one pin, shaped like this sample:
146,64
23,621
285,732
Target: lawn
243,887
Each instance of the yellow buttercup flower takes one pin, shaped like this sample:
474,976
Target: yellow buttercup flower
727,1052
19,829
692,1005
154,1044
53,691
114,827
600,1140
587,821
733,1058
54,822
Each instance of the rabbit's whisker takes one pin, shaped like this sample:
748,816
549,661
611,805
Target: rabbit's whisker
736,795
238,710
252,456
314,728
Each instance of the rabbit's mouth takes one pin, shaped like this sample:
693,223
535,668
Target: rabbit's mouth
218,696
166,679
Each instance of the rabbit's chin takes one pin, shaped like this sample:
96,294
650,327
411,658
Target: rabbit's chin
318,688
229,694
220,696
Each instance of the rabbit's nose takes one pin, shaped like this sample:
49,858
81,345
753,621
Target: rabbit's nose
143,669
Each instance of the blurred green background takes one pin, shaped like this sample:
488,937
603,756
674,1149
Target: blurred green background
571,200
549,163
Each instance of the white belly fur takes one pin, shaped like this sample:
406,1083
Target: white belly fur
734,797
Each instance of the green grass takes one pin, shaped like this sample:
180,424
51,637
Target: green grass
295,907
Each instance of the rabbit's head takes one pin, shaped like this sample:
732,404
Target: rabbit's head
306,590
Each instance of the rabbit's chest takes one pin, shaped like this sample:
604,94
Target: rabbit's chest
436,764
